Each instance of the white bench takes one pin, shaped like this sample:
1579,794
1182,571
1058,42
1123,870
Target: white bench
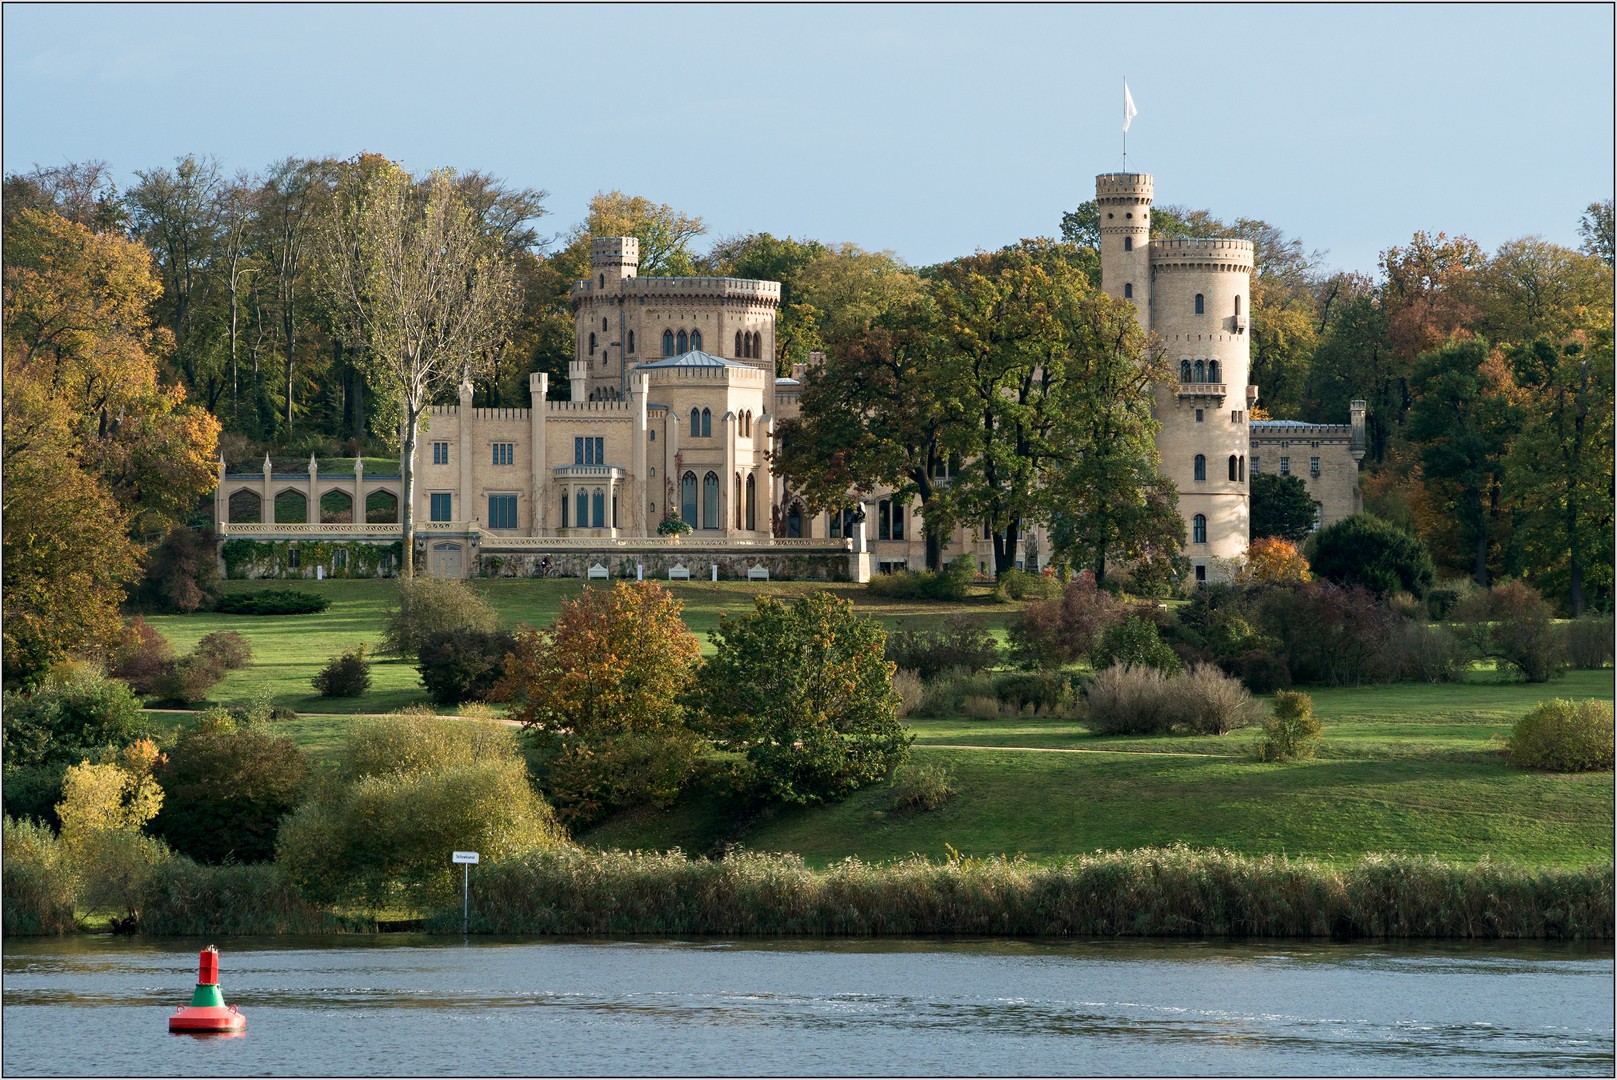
758,573
598,571
678,573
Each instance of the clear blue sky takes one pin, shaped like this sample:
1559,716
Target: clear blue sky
932,131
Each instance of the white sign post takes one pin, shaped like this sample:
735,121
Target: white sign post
467,860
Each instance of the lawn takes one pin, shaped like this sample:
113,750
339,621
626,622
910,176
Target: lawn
289,649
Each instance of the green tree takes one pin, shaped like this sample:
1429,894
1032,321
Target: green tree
1281,506
1596,229
225,793
1462,420
174,212
1558,473
803,690
1532,289
760,256
1355,360
1363,550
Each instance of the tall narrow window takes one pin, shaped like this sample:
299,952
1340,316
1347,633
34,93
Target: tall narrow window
1243,469
600,508
578,450
898,521
684,345
1201,466
603,281
687,499
696,341
441,506
739,353
583,508
1198,529
1201,305
631,341
440,453
1213,371
1285,466
600,450
668,343
707,424
884,520
752,510
502,511
696,423
710,501
1128,290
738,503
794,522
1128,243
564,508
1184,371
1237,305
1232,467
592,343
1201,372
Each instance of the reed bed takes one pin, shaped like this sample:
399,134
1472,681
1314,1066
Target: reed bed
184,898
1155,892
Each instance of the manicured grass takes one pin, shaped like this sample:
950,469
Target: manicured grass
1406,768
289,649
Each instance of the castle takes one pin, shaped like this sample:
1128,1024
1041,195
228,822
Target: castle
673,410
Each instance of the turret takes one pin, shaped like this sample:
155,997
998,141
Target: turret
613,259
1124,202
578,374
1356,436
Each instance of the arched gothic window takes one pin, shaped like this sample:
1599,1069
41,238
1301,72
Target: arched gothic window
1184,371
696,341
564,509
1232,467
600,508
592,344
794,521
707,424
739,353
687,499
1201,304
1128,290
1128,243
696,423
668,343
710,501
631,341
1201,372
583,503
603,324
1201,466
1198,529
752,512
603,281
684,345
1242,476
1237,305
1213,372
737,500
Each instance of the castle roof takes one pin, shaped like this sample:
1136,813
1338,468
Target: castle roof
694,358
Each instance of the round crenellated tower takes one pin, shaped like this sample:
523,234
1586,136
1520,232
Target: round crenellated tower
1191,294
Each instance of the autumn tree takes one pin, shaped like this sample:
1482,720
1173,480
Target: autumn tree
83,192
1462,420
1429,290
1273,560
1596,229
1558,474
803,690
419,282
1531,288
1281,507
600,694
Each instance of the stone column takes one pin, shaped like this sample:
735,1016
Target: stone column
359,490
311,511
221,501
266,504
538,387
463,418
639,486
727,480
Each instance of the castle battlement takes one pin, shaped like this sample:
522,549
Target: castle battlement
693,288
602,409
1129,185
1194,252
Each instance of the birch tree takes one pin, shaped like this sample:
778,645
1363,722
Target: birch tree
418,281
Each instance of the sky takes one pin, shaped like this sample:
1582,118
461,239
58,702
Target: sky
930,131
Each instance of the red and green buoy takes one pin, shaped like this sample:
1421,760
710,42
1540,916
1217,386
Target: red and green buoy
207,1014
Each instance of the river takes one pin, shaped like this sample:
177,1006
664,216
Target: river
416,1005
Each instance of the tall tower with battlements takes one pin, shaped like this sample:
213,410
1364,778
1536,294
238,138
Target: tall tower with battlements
1191,295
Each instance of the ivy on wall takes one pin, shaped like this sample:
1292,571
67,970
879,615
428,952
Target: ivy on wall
273,558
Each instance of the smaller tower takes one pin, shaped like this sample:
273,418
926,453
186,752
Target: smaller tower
1356,435
613,259
1124,202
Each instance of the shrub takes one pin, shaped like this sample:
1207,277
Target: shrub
224,794
1361,550
959,644
67,719
183,899
1431,653
946,694
414,740
273,602
910,690
1127,700
1586,643
32,791
226,648
347,674
183,575
1262,672
188,679
1206,701
1272,560
1044,692
922,787
1334,636
1051,633
1292,731
1134,643
1016,584
1440,602
1564,736
802,688
948,584
463,664
37,884
1511,623
981,706
142,657
427,606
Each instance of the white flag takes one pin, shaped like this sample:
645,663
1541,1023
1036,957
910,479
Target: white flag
1129,111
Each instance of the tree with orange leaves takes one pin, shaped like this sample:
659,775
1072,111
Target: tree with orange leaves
1271,560
600,694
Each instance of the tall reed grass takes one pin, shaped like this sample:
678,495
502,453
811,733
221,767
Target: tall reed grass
189,899
1169,892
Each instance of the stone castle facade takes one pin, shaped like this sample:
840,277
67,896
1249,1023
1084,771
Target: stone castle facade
674,404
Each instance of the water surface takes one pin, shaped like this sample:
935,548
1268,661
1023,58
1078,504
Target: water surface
413,1005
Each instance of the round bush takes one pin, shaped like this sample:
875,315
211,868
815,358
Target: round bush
273,602
347,675
1564,736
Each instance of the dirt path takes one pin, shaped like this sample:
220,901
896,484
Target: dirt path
1064,750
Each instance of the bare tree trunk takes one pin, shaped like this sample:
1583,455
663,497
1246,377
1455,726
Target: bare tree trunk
407,499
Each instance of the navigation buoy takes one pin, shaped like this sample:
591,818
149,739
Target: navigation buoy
207,1014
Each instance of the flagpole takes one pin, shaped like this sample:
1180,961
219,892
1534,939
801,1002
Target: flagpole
1125,126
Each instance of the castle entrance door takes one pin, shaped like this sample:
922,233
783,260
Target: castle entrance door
446,561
